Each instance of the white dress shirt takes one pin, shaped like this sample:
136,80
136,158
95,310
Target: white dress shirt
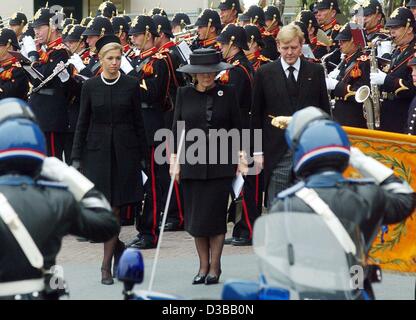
286,66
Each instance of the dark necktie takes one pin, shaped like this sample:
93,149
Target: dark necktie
291,77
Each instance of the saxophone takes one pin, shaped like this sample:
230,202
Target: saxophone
375,91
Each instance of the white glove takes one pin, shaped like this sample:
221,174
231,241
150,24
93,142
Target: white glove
331,83
76,61
56,170
369,167
29,44
125,65
174,168
377,78
334,73
63,75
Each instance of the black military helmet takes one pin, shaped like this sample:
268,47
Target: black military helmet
181,19
234,34
85,21
75,33
344,33
327,4
42,17
209,17
18,19
313,8
401,17
141,24
308,19
107,9
304,29
158,10
28,30
411,4
120,25
67,28
230,4
127,18
99,26
254,35
111,38
205,61
8,37
254,15
371,7
69,20
163,25
272,13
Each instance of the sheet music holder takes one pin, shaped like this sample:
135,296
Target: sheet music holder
26,64
307,52
357,33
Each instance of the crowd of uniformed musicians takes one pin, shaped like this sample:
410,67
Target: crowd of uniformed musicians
152,54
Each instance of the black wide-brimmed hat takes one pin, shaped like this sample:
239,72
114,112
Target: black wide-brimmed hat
233,34
106,40
205,61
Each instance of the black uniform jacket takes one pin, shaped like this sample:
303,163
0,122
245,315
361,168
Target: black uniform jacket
13,80
398,90
354,73
217,109
270,98
49,214
110,123
50,103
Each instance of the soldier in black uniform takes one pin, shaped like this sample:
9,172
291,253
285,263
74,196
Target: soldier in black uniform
209,26
229,10
107,9
17,22
395,81
373,20
50,103
255,44
319,49
354,72
48,210
326,16
97,28
13,80
366,204
233,40
121,29
179,21
273,20
255,15
152,68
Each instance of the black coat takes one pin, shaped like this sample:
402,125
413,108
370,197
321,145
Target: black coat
192,107
110,139
270,97
13,81
48,213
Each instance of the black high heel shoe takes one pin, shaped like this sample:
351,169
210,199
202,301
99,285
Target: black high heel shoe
212,279
106,277
199,279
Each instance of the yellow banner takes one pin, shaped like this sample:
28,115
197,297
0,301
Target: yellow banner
394,249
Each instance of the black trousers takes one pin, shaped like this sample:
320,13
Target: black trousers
251,206
55,143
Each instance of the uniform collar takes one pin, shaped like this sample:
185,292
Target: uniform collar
238,56
148,53
330,25
376,29
126,48
324,179
253,56
54,43
8,62
167,46
208,42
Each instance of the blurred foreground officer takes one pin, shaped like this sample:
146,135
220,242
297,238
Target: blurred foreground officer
395,81
321,153
35,215
13,80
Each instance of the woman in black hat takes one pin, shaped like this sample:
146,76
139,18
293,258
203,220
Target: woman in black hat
109,142
206,184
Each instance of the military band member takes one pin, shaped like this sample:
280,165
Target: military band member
152,68
411,128
373,20
121,29
17,22
13,80
395,80
85,21
319,49
351,74
107,9
255,45
255,15
97,28
50,103
412,6
273,20
179,21
68,21
209,26
229,10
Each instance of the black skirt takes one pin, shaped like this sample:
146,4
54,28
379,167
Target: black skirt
205,206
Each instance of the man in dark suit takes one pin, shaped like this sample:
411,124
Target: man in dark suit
281,88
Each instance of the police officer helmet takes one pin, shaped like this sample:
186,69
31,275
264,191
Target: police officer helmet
317,142
22,143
